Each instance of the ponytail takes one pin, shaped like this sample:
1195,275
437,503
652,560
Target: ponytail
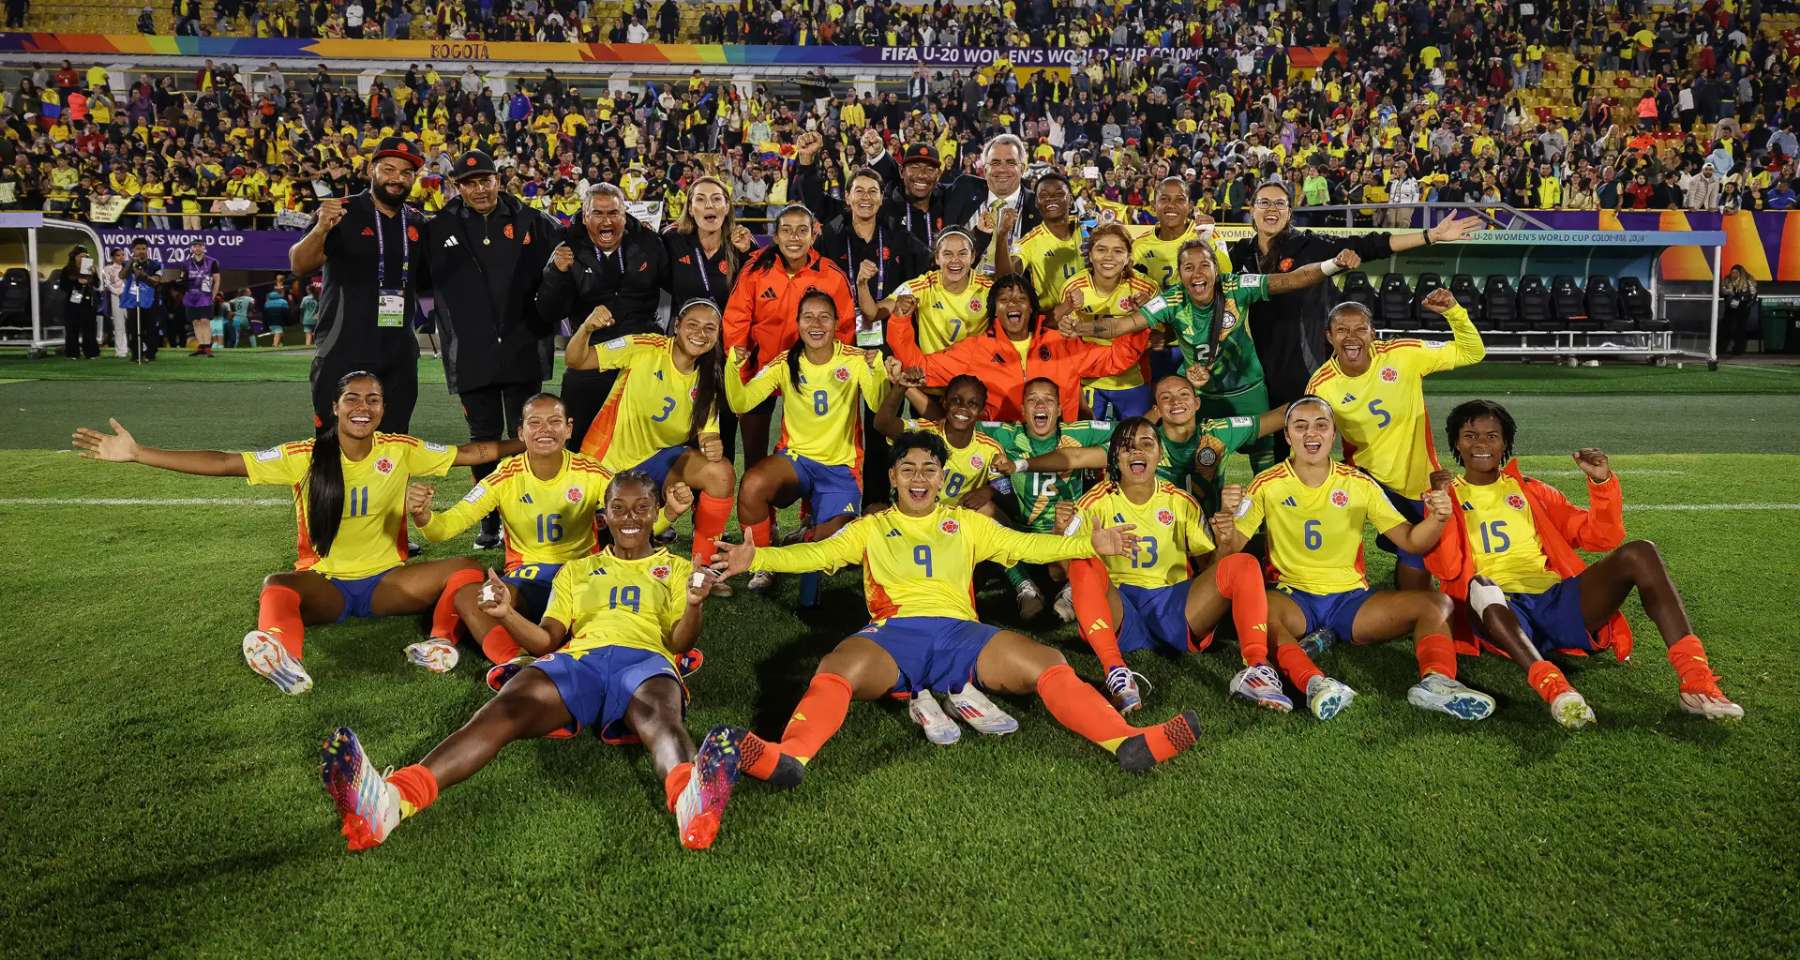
325,481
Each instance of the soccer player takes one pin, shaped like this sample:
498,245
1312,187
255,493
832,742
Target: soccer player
918,562
1376,389
1313,509
1049,254
349,486
1108,288
663,413
1203,316
826,384
626,613
1512,557
949,304
1157,252
973,454
1154,599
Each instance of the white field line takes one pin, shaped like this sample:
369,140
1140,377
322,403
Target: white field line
264,502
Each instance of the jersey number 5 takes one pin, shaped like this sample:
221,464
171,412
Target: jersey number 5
1375,408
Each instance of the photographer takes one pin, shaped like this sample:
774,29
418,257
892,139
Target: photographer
139,300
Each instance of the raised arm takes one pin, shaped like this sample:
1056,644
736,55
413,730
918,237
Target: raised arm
486,451
441,526
1467,349
538,640
742,396
1419,538
1062,460
121,447
307,256
887,416
1313,273
579,354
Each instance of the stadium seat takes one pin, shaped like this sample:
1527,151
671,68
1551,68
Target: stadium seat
1567,308
1396,303
1357,288
1637,305
1534,304
1500,303
1602,303
1427,283
1463,287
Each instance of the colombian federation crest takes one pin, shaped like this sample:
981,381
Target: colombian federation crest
384,466
1339,498
573,494
841,375
950,526
1389,375
1165,518
977,461
660,571
1515,501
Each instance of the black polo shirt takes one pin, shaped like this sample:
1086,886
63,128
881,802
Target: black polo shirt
897,254
357,266
691,274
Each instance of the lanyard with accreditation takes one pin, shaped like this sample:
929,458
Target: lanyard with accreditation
390,302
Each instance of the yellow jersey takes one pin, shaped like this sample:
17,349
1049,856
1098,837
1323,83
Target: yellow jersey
968,467
1503,539
1316,533
1132,292
1170,527
820,418
921,566
650,404
1157,257
371,538
546,521
944,318
609,602
1381,414
1049,262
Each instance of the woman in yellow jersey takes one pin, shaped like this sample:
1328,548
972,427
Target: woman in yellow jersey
1049,253
1109,288
918,563
1157,254
974,457
349,487
662,414
824,384
1313,509
948,304
625,613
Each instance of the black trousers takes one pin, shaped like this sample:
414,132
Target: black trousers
494,413
78,329
399,376
584,392
142,327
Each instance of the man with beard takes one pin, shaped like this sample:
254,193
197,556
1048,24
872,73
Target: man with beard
368,246
932,204
484,257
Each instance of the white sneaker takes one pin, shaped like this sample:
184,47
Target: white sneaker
369,805
924,710
1327,698
437,655
1122,688
1031,600
270,659
760,582
1711,707
1571,710
1440,693
1261,685
976,710
1065,604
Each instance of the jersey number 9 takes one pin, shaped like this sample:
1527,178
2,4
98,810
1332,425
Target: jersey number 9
922,557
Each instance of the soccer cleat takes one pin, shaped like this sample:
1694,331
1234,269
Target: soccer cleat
265,654
499,673
369,805
975,709
1122,687
487,541
1438,692
1327,698
761,581
1571,710
1031,601
1710,704
788,772
702,803
690,663
924,710
664,538
1261,686
413,547
1134,753
1065,604
1317,642
437,655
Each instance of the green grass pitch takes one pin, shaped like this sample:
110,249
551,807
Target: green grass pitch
161,800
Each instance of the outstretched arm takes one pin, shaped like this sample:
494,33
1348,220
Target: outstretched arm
1313,273
121,447
1063,460
486,451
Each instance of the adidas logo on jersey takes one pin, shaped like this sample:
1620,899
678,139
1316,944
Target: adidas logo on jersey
893,533
1289,502
1349,398
525,499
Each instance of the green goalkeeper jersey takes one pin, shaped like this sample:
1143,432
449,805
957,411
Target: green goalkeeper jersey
1039,493
1227,351
1201,457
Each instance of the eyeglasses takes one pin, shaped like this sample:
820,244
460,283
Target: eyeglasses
1268,204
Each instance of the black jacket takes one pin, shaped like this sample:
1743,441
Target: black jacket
953,204
628,282
486,292
901,256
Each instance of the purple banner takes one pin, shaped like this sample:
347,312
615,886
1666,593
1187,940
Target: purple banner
234,249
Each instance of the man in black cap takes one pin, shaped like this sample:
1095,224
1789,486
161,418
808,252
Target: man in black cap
911,187
369,245
932,203
484,257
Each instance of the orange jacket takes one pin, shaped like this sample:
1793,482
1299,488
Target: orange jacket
995,360
1562,528
763,312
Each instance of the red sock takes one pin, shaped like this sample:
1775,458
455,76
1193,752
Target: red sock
1239,578
1093,611
1296,665
1547,680
1688,658
820,713
675,782
710,514
1084,711
499,646
444,618
1436,655
278,615
418,788
761,533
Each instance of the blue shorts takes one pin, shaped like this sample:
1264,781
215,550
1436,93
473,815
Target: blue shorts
533,583
1164,363
1330,611
660,463
1551,620
1118,404
359,594
1154,616
597,685
829,491
1413,511
933,653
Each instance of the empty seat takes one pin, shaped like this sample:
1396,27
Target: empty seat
1500,303
1463,287
1534,304
1637,305
1427,283
1603,303
1358,289
1567,307
1396,303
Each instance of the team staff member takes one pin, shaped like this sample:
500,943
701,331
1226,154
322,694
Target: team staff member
484,258
368,245
911,184
202,274
704,251
967,201
608,260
